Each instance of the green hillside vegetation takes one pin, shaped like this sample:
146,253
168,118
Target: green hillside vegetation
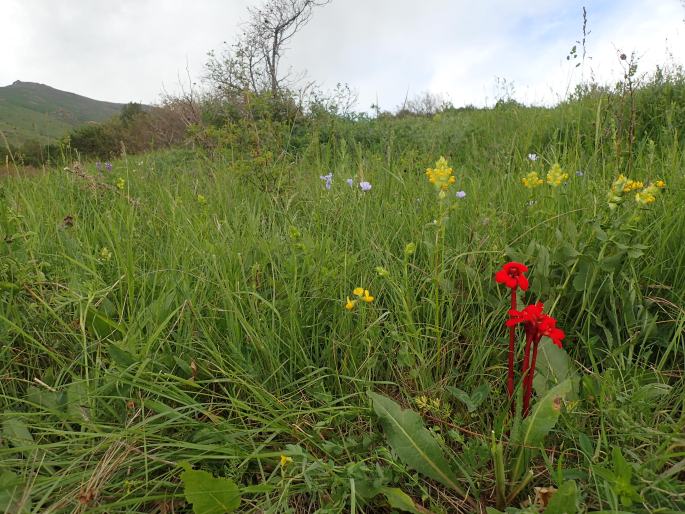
31,111
233,317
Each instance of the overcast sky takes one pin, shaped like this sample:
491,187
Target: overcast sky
132,50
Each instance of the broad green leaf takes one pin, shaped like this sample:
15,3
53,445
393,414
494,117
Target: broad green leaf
480,393
398,499
11,494
412,441
16,432
121,356
463,397
49,400
544,415
77,401
553,366
564,500
208,494
12,498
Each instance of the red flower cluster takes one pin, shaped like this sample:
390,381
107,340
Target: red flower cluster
512,275
536,325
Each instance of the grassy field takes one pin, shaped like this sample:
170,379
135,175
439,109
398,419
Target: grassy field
190,310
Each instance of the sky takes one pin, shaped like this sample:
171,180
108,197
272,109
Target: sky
386,50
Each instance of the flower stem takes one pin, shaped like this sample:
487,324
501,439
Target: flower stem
524,371
512,341
529,378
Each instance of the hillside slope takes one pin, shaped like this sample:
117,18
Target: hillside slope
32,111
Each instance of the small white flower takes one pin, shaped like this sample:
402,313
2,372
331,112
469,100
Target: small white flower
532,157
350,181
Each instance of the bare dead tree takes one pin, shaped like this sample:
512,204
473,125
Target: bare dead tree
253,62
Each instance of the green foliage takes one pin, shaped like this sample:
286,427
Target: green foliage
30,111
475,399
413,443
208,494
619,478
398,499
214,332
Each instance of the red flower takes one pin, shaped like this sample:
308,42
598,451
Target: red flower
548,327
512,275
530,316
536,323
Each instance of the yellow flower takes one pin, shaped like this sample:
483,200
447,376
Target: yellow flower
619,184
201,200
285,460
660,184
632,185
105,254
555,176
358,291
441,176
532,180
121,183
647,195
367,297
350,304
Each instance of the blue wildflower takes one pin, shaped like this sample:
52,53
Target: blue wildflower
328,178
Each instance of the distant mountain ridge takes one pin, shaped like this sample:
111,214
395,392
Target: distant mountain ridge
33,111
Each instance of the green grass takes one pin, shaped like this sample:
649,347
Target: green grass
216,333
30,111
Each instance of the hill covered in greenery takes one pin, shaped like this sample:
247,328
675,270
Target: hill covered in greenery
32,111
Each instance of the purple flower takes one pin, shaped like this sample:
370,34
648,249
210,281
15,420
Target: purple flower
98,166
328,178
461,194
350,182
108,166
365,186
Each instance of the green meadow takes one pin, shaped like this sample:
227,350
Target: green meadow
181,333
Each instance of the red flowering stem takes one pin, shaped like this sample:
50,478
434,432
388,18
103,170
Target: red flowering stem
512,343
524,369
531,375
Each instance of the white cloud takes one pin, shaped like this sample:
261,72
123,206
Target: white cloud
386,49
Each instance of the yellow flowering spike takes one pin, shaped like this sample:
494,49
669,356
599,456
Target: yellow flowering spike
532,180
358,291
660,184
647,195
555,176
367,297
285,460
441,176
632,185
619,184
350,304
121,183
